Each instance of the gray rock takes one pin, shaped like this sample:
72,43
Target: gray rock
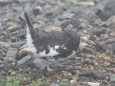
93,83
15,45
21,32
87,50
95,74
107,63
23,60
11,54
88,62
54,84
105,8
108,45
112,78
67,75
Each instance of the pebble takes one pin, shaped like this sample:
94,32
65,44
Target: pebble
54,84
107,64
67,75
88,62
93,83
37,10
13,28
74,82
112,78
95,74
21,33
11,54
23,60
51,28
15,45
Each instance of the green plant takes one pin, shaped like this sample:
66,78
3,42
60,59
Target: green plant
12,80
62,84
41,82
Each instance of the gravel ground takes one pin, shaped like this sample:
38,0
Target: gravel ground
94,65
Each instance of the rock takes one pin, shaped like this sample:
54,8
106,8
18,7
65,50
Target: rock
98,31
108,45
11,54
37,10
88,62
21,54
86,50
2,53
111,22
107,64
112,78
54,84
15,45
95,74
50,28
67,75
40,63
13,28
74,82
93,83
21,33
5,44
105,8
23,60
13,39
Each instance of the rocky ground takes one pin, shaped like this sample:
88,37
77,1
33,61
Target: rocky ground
94,65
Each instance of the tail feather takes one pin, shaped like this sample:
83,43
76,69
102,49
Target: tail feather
30,35
28,21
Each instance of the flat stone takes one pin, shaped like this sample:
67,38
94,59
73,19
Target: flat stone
93,83
21,32
11,54
95,74
13,28
88,62
54,84
23,60
112,78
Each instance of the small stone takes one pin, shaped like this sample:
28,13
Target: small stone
21,33
21,54
83,44
5,44
86,50
37,10
23,60
84,38
15,45
13,28
85,31
11,54
112,34
13,39
93,83
107,64
112,78
95,74
50,28
74,82
67,75
13,73
2,54
54,84
88,62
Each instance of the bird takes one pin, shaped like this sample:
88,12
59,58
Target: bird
51,44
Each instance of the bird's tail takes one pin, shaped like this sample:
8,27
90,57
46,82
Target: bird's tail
30,34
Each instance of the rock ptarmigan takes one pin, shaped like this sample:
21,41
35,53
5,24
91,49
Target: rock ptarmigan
51,44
